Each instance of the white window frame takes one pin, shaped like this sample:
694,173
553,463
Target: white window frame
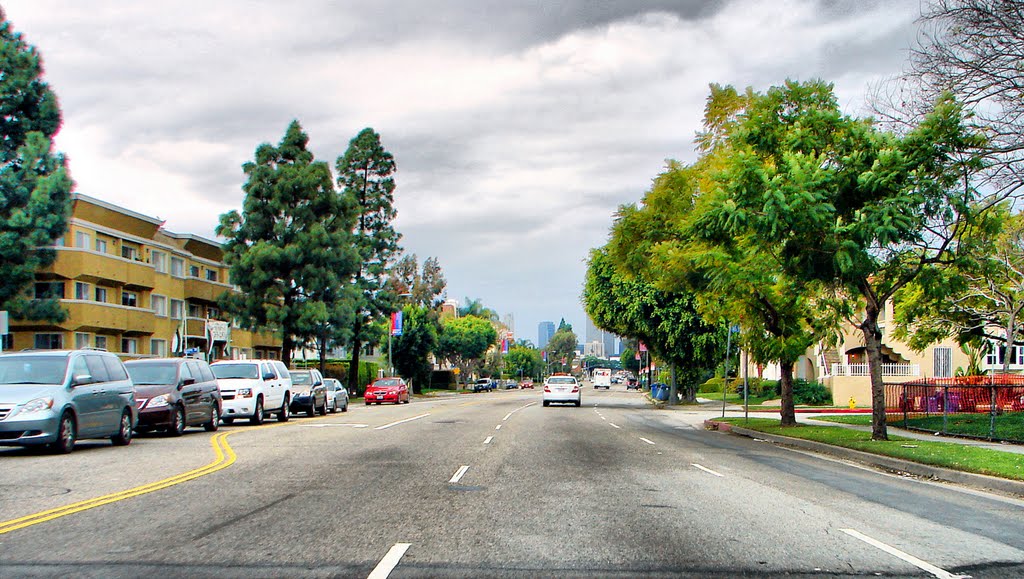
177,271
158,348
127,294
83,240
129,346
179,306
101,245
82,290
159,260
105,294
158,303
60,340
82,340
100,341
212,275
199,311
942,362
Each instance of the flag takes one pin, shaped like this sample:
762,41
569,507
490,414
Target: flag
396,324
504,346
545,354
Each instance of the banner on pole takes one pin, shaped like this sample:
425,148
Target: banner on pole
396,324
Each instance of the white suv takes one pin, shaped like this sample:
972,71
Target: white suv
252,389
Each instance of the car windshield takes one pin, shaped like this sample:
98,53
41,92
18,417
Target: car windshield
301,378
227,371
33,369
387,382
152,374
561,380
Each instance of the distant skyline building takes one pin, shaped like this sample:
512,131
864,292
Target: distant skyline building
608,340
544,332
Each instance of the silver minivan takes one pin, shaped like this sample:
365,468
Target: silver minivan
55,397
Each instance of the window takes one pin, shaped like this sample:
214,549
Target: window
177,267
101,294
158,348
115,369
195,311
81,291
129,346
159,261
943,362
212,313
49,290
81,340
193,270
97,369
177,309
82,239
129,252
159,304
101,342
101,245
130,299
49,341
211,275
7,342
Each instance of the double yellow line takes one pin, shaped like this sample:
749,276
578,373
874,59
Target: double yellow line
225,456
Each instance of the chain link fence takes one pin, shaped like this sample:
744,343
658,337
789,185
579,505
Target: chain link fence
989,407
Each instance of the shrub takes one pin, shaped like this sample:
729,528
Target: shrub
712,385
810,393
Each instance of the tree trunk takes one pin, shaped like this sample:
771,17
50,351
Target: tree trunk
672,398
353,367
873,345
788,412
287,345
323,352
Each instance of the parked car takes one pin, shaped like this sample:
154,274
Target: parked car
526,383
562,388
56,397
309,394
337,395
252,389
387,390
175,393
482,385
511,384
632,383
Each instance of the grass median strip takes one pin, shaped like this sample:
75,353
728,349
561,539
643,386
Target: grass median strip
944,454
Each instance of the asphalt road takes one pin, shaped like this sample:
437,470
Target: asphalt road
487,485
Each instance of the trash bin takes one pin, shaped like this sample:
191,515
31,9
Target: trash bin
659,391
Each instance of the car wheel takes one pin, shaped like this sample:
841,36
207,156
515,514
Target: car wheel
367,402
334,407
578,403
323,409
66,432
124,432
257,415
228,421
311,411
345,407
177,427
285,412
214,422
546,403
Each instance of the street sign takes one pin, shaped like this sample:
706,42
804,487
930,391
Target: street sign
3,323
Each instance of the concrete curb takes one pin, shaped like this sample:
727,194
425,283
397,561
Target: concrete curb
977,481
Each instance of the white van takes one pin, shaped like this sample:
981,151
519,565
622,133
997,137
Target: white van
253,389
602,378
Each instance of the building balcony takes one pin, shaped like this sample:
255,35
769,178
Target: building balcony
92,266
96,317
201,290
888,370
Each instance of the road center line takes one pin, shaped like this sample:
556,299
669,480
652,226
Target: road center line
923,565
459,474
488,439
509,415
615,425
706,469
390,561
651,442
402,421
498,427
603,418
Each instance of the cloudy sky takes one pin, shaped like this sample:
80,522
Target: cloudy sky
518,127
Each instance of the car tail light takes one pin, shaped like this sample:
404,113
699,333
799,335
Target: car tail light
575,388
547,388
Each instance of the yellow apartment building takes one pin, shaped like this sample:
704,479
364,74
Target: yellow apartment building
130,286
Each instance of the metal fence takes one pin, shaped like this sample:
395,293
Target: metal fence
989,407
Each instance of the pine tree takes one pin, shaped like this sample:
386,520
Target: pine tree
35,185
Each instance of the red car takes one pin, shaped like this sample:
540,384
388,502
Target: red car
526,383
387,390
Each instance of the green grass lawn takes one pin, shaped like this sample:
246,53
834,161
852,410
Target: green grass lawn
944,454
1008,426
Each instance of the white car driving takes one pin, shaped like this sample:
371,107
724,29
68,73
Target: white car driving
252,389
562,388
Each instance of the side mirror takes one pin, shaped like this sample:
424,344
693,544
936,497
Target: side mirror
268,376
81,379
186,382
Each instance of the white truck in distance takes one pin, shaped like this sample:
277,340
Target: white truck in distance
602,378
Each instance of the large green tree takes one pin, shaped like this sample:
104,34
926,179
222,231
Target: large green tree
366,180
562,346
411,351
845,203
288,248
523,361
35,185
464,341
425,287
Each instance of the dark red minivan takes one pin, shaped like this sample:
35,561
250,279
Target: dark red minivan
175,393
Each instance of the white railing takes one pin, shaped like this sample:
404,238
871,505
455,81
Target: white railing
887,370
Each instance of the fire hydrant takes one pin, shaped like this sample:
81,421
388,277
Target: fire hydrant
853,403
